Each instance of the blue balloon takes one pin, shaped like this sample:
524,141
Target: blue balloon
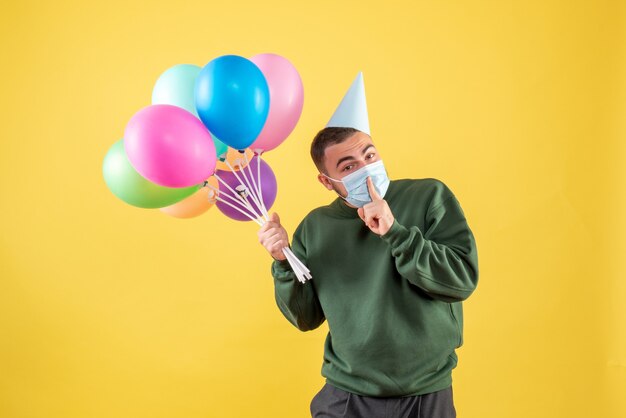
232,100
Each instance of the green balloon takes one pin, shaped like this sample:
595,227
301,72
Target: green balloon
125,183
220,147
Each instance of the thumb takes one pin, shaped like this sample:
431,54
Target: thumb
361,213
275,218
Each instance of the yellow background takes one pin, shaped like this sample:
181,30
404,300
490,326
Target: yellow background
107,310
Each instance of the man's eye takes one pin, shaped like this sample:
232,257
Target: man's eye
370,156
348,167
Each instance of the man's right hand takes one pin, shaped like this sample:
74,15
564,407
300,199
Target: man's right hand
274,237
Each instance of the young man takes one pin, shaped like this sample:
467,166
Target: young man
391,262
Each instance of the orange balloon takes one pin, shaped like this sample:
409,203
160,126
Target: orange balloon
194,205
234,158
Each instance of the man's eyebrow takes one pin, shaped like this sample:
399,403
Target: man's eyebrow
368,146
342,159
349,157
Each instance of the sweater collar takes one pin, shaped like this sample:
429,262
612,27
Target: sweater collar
339,206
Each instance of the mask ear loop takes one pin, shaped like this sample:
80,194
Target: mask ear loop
338,181
330,178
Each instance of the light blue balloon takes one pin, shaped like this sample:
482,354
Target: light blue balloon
176,87
232,100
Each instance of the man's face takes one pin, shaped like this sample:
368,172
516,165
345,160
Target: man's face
345,158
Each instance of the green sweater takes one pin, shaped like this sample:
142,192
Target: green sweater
393,303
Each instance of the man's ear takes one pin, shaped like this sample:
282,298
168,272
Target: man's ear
325,182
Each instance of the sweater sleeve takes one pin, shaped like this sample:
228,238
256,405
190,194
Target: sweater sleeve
297,301
443,261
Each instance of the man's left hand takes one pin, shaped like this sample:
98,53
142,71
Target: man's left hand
376,214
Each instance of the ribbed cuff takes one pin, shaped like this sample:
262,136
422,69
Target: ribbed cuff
281,270
396,235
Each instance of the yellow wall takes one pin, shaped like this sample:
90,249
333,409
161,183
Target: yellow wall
107,310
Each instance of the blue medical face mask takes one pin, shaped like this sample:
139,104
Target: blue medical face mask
356,183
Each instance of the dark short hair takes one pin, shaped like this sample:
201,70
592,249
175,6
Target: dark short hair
325,138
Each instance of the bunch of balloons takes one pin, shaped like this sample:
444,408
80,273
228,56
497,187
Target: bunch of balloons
200,143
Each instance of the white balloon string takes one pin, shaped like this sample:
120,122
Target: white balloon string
235,193
257,185
305,270
298,264
239,210
260,202
294,262
227,185
251,208
219,195
242,169
258,189
297,261
260,215
223,193
245,184
251,189
212,194
258,174
245,203
242,183
300,270
293,265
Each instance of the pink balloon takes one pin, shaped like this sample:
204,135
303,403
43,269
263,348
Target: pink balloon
286,100
169,146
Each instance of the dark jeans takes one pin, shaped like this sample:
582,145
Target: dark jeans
332,402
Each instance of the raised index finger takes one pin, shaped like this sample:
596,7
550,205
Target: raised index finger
373,193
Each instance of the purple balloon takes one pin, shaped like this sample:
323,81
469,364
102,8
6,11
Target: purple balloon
268,188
